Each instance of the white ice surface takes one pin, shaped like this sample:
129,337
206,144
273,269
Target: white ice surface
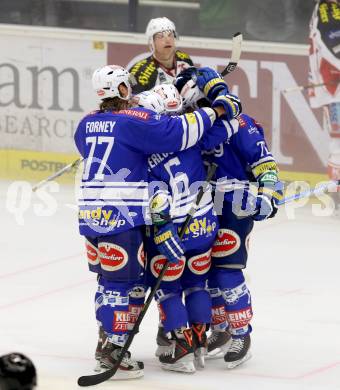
46,305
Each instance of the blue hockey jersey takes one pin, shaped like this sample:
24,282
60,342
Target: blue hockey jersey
243,158
181,174
115,145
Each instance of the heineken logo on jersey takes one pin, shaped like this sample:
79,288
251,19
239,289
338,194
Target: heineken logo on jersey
227,243
112,257
173,272
200,264
92,253
219,315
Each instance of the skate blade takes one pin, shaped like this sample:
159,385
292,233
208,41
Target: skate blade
186,365
97,367
122,375
200,354
219,352
161,350
231,365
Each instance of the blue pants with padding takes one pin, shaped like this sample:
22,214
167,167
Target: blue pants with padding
237,299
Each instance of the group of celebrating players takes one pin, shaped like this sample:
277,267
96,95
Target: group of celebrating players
146,157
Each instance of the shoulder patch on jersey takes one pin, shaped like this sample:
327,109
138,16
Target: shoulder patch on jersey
135,113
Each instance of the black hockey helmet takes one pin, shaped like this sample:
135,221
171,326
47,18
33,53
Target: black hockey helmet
17,372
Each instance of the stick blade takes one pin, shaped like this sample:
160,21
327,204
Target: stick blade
235,53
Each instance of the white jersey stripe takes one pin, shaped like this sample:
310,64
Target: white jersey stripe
114,193
185,133
114,184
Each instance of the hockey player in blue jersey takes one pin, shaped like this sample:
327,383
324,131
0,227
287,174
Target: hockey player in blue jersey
115,142
180,176
242,159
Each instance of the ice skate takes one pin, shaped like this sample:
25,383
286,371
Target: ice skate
180,355
128,369
98,353
200,344
218,344
239,351
163,342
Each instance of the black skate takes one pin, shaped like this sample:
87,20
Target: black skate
200,343
239,351
218,344
128,369
180,354
163,342
98,353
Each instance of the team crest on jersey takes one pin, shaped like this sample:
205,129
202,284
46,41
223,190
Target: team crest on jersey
141,255
200,264
173,272
227,243
92,253
112,257
135,113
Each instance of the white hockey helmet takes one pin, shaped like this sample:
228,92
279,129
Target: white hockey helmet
172,100
191,94
150,100
106,82
158,25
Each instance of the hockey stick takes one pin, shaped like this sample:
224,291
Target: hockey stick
57,174
235,54
318,190
91,380
304,87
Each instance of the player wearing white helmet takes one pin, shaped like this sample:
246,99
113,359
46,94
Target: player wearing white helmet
165,61
181,172
115,142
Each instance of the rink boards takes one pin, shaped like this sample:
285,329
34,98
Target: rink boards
45,83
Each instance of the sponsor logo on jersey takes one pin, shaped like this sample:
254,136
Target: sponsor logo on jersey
200,264
227,243
239,318
137,114
241,121
141,255
112,257
173,272
92,253
134,311
201,226
219,315
121,321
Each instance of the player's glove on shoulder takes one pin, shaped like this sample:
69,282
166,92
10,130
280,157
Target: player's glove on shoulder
211,83
230,103
166,238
